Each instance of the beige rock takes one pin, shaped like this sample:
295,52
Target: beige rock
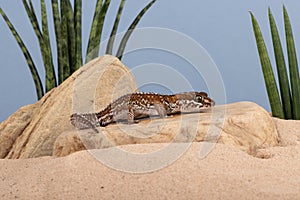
14,126
244,125
32,131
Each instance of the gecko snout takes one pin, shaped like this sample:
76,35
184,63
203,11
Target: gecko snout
208,102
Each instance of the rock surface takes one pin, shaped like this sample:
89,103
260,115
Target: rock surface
245,125
32,130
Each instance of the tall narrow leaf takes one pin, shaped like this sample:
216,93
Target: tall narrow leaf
270,83
64,40
95,22
71,37
293,65
111,40
94,42
281,69
78,34
131,28
44,43
93,31
48,62
31,65
57,29
34,22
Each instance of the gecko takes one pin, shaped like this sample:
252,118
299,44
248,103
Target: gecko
131,107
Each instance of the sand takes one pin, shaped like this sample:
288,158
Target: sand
226,173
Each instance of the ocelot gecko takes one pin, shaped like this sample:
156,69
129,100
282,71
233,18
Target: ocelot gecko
134,106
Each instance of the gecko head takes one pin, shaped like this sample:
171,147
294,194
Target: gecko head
193,101
202,98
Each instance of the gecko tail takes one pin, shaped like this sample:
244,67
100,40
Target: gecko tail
85,121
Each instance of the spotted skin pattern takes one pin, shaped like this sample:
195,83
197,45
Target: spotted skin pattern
134,106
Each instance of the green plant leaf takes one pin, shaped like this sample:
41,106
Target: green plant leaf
46,48
31,65
93,30
78,34
33,20
276,107
293,65
64,40
71,37
44,42
111,40
281,69
57,29
131,28
96,30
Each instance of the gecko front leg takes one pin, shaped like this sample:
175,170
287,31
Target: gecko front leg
84,121
160,109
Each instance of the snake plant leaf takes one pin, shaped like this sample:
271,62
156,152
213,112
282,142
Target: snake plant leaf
78,34
131,28
48,62
64,40
71,37
96,32
113,33
281,68
57,29
95,25
32,68
274,99
44,21
33,20
293,66
44,42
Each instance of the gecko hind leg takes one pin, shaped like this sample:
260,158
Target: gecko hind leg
130,117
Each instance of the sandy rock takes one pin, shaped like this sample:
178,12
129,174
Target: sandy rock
32,131
244,125
14,126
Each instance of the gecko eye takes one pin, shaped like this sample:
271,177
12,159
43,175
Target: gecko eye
199,98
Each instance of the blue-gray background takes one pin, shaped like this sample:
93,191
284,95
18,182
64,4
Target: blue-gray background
223,28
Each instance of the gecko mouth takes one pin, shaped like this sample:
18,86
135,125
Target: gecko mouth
208,102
